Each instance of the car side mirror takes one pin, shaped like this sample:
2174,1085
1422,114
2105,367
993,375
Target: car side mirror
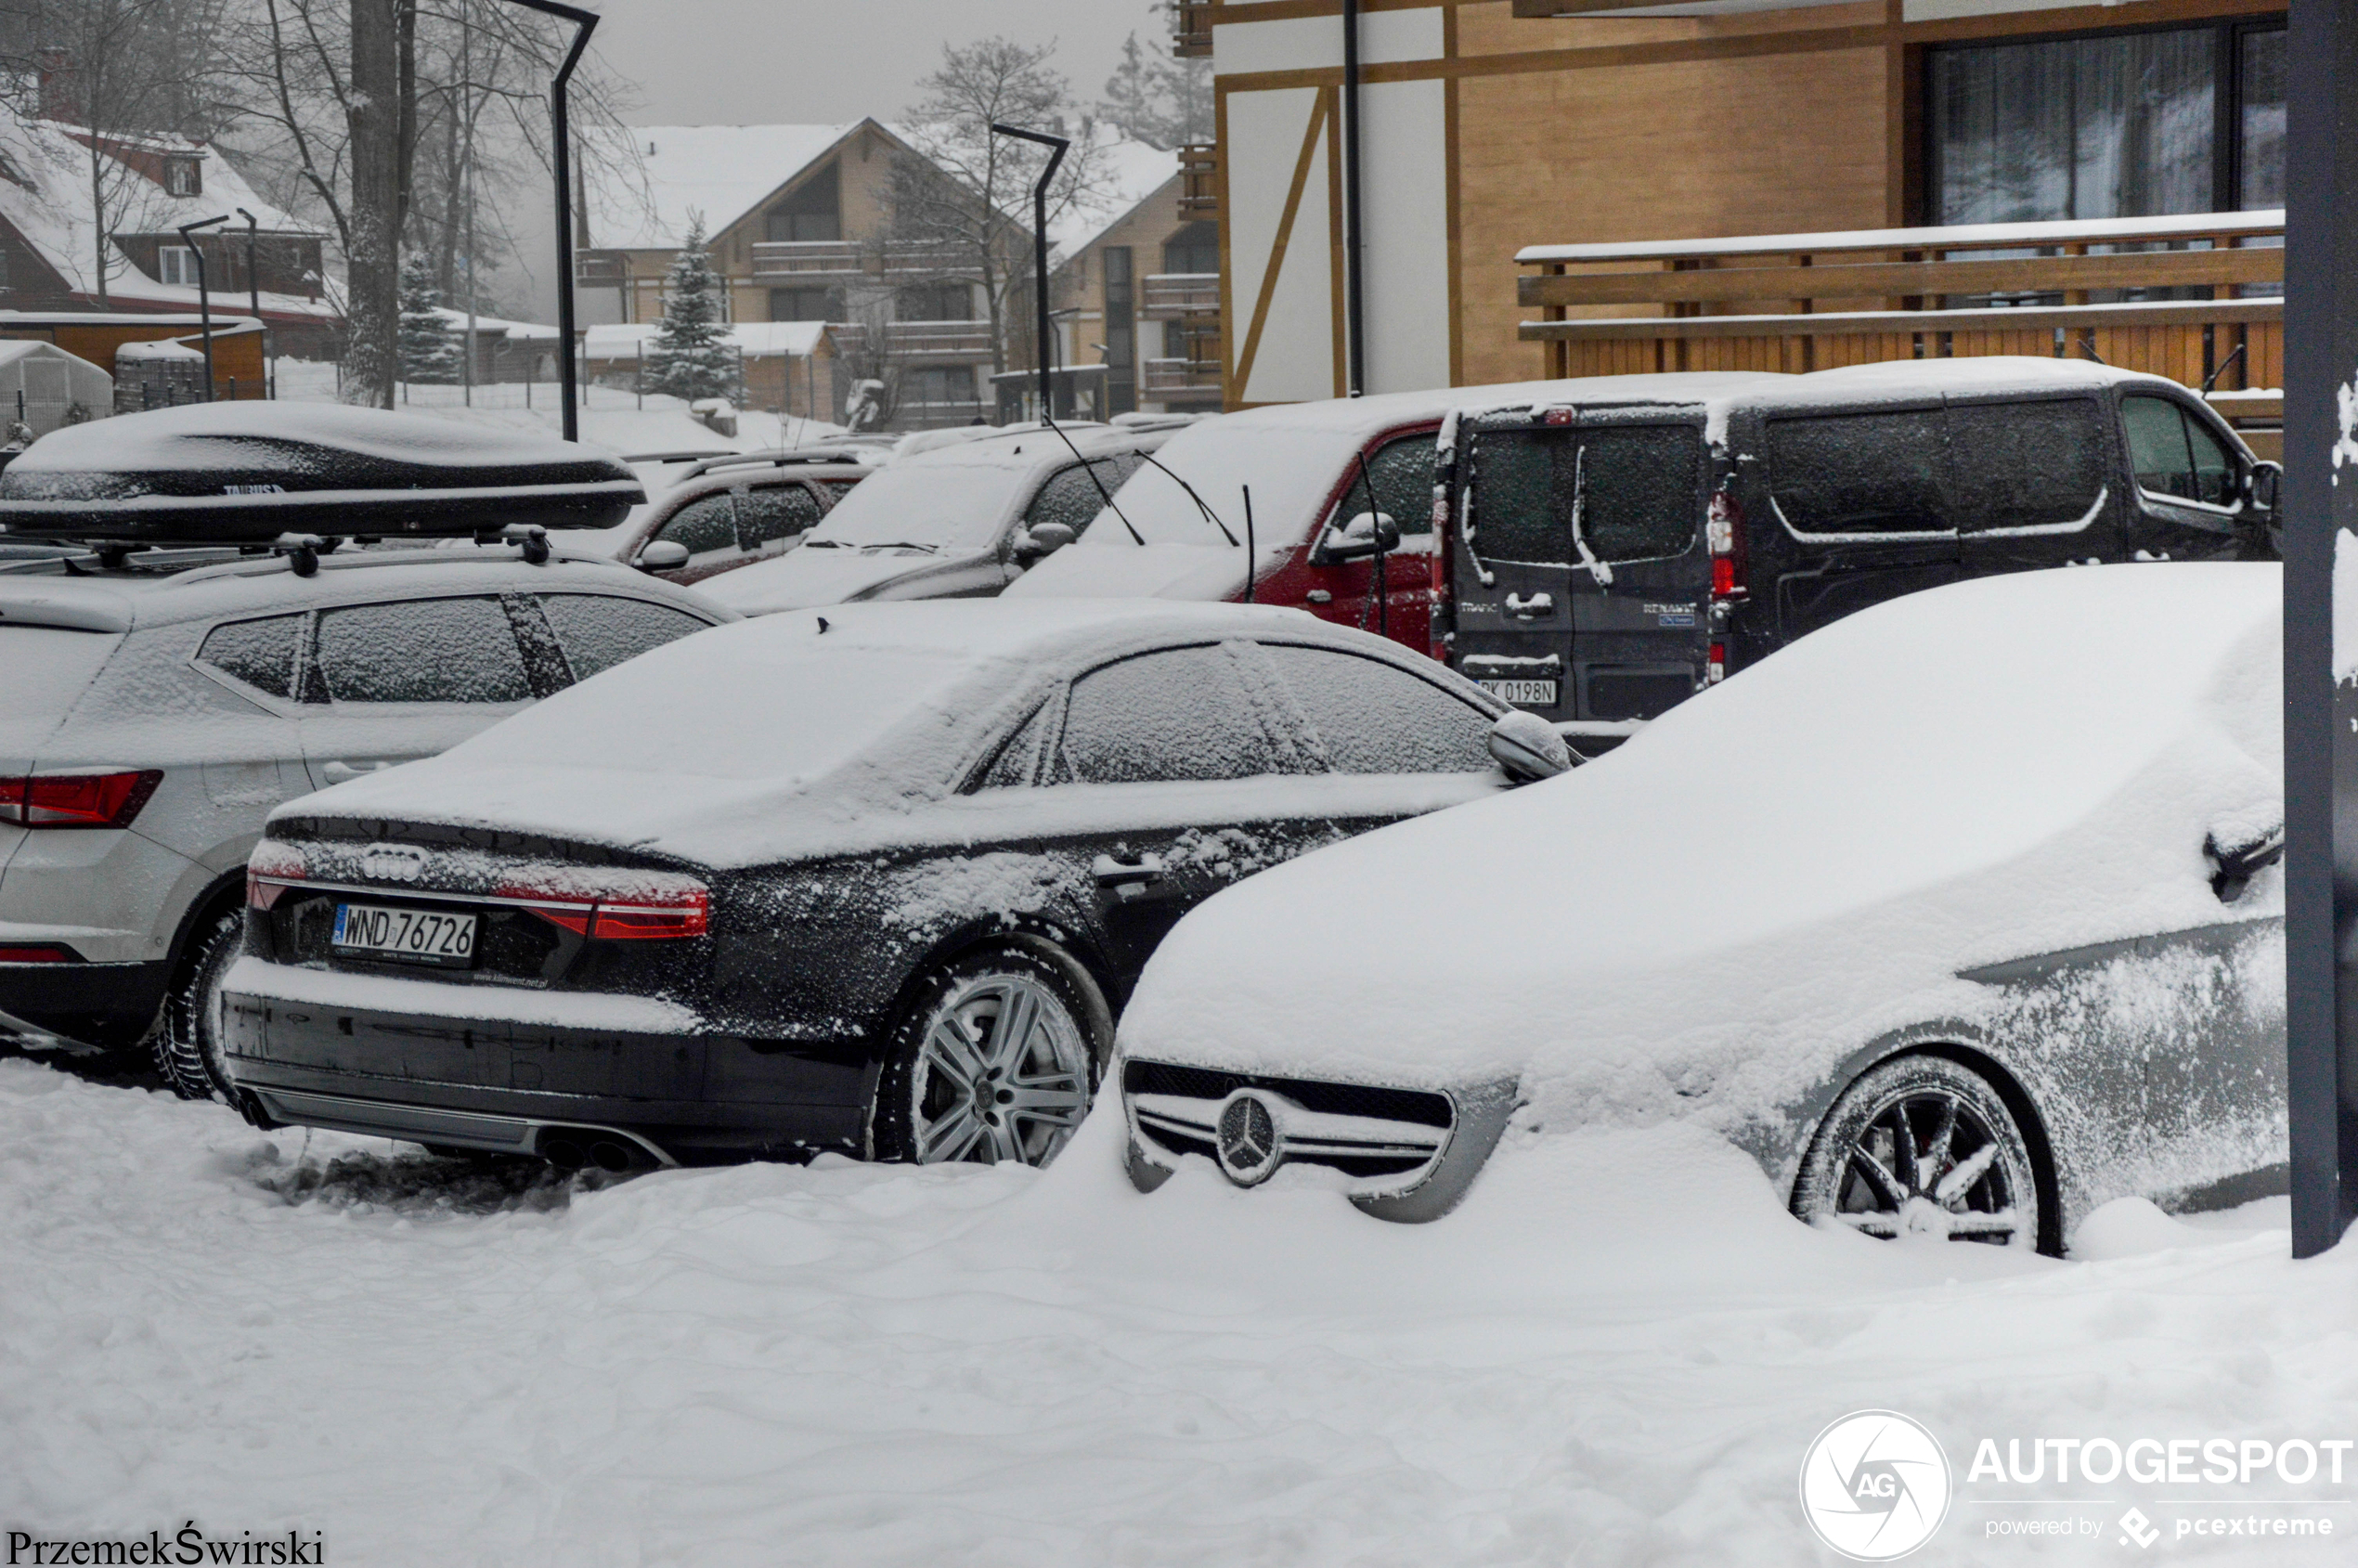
2245,856
1369,533
2265,484
1042,539
662,555
1527,747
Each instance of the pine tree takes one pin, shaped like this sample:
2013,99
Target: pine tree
430,350
691,356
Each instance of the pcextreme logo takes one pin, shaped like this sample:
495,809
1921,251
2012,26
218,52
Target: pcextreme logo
1875,1485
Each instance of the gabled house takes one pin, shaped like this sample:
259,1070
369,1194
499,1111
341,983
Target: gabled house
798,223
54,258
1137,290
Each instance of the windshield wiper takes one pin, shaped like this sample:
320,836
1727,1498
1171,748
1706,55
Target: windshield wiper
1597,569
824,544
1209,516
905,544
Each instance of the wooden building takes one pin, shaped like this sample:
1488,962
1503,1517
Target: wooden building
1137,290
1509,150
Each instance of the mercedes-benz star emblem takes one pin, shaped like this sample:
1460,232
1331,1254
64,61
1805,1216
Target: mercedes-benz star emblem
1248,1146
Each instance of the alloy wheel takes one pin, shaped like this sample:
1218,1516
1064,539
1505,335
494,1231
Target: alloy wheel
1928,1163
1001,1072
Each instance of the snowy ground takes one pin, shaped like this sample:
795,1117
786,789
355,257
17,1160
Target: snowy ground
613,418
1615,1352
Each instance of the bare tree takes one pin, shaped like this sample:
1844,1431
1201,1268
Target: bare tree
965,219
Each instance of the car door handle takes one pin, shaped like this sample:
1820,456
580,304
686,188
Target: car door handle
344,773
1538,605
1111,873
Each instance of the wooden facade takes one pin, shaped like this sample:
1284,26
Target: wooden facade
1492,125
1135,298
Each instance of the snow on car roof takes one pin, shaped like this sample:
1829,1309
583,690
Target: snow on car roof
1782,868
197,436
773,736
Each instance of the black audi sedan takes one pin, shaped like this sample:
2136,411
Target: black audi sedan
876,880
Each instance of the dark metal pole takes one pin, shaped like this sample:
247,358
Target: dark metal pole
2320,751
1354,340
561,154
204,295
1056,146
254,295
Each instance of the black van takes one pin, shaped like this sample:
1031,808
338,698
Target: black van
1609,557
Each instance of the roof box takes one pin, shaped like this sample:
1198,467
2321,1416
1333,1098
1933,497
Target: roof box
247,472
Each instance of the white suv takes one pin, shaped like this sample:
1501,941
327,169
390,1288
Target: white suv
151,719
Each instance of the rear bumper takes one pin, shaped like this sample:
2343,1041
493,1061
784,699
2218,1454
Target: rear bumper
103,1006
511,1087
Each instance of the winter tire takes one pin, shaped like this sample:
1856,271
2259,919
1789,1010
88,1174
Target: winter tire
1922,1146
996,1058
188,1044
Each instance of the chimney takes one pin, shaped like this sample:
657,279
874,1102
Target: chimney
60,86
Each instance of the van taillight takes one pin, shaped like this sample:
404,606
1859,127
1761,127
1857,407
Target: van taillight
624,907
270,870
1724,531
109,799
1717,670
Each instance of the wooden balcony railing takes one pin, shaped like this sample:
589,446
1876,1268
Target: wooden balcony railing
1199,182
1179,296
1166,376
1191,28
921,340
2196,298
819,259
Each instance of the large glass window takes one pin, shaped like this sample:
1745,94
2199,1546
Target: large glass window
812,212
2113,126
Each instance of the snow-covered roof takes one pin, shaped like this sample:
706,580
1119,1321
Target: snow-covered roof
50,207
719,172
14,349
1135,173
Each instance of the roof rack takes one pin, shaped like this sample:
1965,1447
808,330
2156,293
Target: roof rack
780,457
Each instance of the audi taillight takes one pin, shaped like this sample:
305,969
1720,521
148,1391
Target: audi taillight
1724,531
108,799
270,870
624,906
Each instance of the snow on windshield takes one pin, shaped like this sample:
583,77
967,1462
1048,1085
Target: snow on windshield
953,500
1288,468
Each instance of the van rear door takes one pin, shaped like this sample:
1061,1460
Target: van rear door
1579,562
1858,512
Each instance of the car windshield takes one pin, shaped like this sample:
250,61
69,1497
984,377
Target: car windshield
951,500
1291,471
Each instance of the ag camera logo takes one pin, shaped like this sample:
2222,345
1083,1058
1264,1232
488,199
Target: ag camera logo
1875,1485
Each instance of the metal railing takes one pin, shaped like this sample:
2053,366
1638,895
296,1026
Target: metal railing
1172,297
2196,298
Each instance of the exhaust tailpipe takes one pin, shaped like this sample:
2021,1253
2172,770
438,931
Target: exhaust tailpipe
564,1153
614,1157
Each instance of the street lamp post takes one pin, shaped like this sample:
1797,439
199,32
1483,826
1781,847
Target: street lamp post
254,294
561,152
1040,253
204,295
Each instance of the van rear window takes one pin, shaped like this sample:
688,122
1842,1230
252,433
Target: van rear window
1637,489
1859,473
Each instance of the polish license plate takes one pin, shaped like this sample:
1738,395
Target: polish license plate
1523,693
407,936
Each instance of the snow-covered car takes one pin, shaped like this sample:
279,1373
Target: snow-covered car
895,917
151,718
958,521
727,513
1962,916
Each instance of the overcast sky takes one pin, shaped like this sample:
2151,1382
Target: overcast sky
742,62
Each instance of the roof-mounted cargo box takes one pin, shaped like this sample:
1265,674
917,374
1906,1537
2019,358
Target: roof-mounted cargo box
248,473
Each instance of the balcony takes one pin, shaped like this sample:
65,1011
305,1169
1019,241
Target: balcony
593,270
2196,298
824,260
1179,378
1191,28
1199,182
919,341
1180,297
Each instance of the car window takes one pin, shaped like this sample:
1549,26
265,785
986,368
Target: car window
2216,473
707,523
1182,713
2025,465
1012,768
770,512
837,488
598,631
1373,717
1859,473
261,653
2158,452
1638,490
421,651
1514,515
1403,472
